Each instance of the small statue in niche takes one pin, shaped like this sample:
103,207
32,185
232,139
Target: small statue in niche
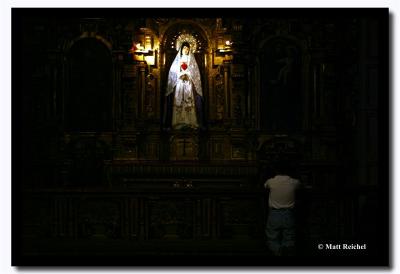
287,68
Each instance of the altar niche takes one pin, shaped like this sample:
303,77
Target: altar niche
183,51
184,77
281,100
88,95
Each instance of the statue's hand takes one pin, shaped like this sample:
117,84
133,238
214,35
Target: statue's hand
185,77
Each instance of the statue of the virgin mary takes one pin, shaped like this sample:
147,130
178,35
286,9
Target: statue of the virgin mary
184,92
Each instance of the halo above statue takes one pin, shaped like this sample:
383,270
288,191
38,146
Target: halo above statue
185,37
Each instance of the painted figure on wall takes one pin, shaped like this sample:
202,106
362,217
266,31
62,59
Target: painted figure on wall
281,96
184,95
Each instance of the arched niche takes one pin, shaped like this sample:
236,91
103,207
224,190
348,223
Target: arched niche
281,93
168,53
88,96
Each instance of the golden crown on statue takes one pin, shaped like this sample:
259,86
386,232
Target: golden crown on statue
185,37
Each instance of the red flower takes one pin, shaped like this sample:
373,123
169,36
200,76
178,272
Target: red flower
184,66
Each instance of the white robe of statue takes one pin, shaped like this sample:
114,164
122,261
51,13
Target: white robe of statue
184,81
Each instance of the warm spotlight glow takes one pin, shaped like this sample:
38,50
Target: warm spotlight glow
144,50
139,47
150,60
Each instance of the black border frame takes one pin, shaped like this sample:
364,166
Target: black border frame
384,124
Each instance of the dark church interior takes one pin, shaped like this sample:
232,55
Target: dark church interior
99,172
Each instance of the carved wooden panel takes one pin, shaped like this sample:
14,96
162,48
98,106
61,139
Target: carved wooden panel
126,147
219,90
99,219
184,147
148,147
239,218
150,97
171,219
